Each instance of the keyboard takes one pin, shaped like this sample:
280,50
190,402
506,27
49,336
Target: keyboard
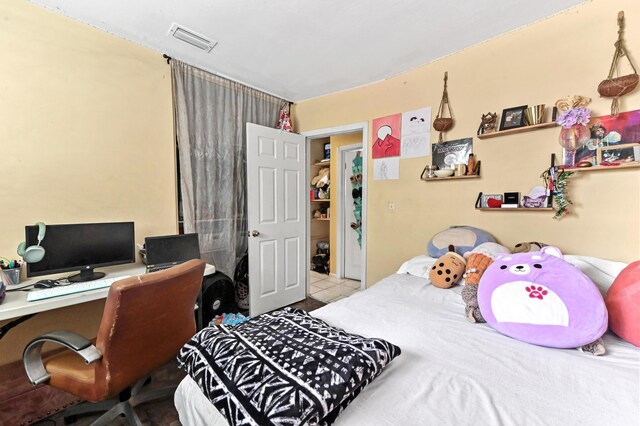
63,290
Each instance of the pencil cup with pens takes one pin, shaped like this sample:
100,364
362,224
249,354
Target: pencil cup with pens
10,271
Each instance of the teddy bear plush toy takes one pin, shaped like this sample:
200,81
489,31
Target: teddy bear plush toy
528,247
478,260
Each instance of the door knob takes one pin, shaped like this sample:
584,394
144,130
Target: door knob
255,233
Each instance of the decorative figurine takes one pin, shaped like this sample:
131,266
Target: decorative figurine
488,123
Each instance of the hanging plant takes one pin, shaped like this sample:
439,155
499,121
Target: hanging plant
561,196
614,87
556,181
442,123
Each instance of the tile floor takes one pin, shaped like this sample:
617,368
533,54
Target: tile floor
329,289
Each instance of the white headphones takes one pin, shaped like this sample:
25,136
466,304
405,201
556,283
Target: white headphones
33,254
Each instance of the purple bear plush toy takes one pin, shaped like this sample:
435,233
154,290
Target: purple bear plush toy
542,299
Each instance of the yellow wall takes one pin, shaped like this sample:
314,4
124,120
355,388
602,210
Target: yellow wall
566,54
87,136
336,143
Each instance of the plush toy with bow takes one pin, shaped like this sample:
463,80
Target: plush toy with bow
478,260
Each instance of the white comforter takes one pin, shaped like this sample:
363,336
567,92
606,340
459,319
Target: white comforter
452,372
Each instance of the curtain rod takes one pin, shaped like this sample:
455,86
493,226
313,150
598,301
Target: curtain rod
169,58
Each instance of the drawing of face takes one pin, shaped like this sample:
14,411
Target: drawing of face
417,124
384,131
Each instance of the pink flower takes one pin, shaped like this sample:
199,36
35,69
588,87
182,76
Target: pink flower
574,116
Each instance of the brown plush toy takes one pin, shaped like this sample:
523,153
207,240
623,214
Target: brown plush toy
448,269
478,260
528,247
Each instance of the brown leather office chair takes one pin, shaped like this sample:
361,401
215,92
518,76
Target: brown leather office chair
146,321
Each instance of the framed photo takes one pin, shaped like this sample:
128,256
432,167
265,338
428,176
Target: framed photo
512,118
622,153
485,199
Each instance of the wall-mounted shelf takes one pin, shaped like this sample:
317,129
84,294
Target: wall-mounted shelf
633,165
450,178
518,130
325,164
519,209
320,220
321,201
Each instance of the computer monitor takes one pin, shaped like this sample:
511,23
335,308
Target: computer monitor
171,249
83,247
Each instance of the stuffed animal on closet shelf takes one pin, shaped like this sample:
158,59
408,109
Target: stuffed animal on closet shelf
322,179
542,299
478,260
448,269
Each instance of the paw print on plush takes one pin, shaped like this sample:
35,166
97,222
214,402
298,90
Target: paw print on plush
536,292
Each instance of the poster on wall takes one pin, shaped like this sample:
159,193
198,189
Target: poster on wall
386,136
447,155
386,168
416,133
608,131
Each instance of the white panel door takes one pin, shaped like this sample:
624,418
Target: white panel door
276,192
351,250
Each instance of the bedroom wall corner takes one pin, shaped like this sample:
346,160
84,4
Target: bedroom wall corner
566,54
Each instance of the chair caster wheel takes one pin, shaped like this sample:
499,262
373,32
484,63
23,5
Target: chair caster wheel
70,420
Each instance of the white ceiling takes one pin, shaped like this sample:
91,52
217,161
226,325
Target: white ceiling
308,48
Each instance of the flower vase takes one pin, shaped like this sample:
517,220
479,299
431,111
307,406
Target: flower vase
571,139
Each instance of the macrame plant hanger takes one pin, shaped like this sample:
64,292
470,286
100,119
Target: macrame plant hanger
442,123
614,87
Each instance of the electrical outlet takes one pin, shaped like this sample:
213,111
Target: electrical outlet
391,206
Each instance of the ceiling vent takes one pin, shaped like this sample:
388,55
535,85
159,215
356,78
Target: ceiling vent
193,38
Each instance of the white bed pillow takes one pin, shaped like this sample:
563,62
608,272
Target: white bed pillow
418,266
601,271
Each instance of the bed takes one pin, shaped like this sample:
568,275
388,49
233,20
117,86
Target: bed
453,372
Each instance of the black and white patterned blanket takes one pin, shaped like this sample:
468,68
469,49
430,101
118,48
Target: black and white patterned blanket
283,368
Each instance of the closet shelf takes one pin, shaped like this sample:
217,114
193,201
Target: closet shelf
321,201
325,164
320,220
518,130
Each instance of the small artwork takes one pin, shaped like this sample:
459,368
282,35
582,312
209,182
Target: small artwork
386,168
622,153
447,155
484,202
607,131
416,133
386,136
512,118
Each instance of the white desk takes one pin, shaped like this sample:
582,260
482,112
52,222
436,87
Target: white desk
15,304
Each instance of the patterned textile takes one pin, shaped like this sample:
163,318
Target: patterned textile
283,368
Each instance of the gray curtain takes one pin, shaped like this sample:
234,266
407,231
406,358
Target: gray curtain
211,115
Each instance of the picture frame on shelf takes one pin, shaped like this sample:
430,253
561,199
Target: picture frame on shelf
484,201
513,118
622,153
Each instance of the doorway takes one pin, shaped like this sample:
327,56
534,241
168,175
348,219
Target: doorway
351,183
339,219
